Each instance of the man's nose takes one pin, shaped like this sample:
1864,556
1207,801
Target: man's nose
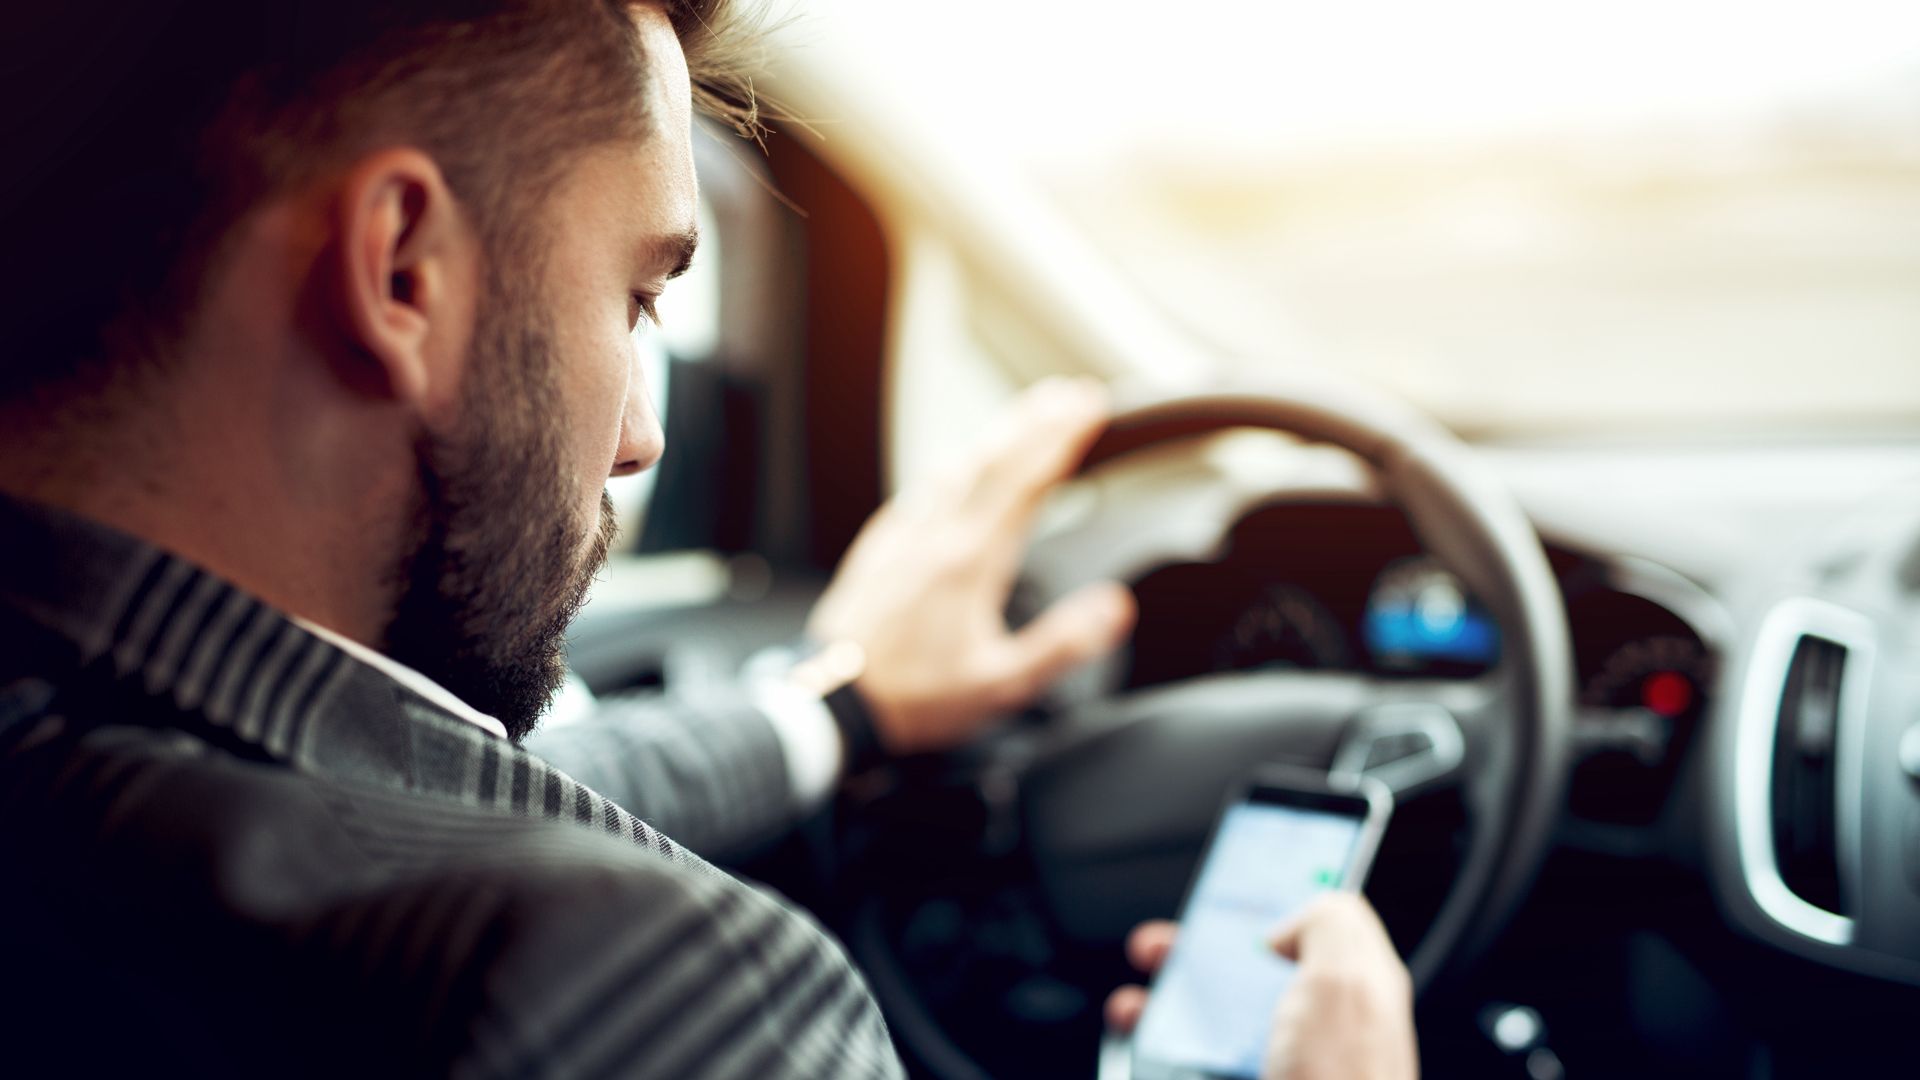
641,439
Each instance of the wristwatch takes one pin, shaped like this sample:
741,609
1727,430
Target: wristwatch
831,673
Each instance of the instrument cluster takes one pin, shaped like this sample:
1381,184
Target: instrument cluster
1349,588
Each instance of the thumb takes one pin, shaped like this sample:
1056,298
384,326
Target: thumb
1086,623
1286,940
1339,920
1291,936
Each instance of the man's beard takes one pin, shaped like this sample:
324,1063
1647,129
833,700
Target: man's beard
495,574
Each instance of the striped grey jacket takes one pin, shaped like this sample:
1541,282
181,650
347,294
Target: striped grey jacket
229,848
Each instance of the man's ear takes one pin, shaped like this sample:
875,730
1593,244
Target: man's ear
406,268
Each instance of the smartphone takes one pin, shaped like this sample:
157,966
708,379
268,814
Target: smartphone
1283,839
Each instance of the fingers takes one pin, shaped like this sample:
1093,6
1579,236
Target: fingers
1085,624
1040,444
1149,943
1124,1007
1147,949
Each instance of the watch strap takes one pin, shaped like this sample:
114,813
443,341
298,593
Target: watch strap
858,735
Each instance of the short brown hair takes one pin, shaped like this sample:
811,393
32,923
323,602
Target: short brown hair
187,114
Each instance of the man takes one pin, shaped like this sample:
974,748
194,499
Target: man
319,354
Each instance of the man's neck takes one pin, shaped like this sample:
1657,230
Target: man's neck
191,486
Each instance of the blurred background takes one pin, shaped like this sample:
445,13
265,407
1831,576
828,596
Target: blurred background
1522,216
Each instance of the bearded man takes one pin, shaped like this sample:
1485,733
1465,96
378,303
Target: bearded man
320,352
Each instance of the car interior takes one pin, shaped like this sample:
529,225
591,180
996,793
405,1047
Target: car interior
1575,496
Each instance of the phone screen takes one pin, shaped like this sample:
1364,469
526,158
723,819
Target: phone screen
1212,1004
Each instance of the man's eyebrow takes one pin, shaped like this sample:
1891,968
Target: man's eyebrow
674,250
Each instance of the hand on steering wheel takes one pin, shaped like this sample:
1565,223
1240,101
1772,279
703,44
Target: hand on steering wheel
924,588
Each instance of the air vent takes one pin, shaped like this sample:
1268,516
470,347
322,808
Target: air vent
1909,571
1804,807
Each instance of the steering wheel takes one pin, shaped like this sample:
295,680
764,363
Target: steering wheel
1116,783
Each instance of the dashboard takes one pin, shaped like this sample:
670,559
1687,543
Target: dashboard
1342,586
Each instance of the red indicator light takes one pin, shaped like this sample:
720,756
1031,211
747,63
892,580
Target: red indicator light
1667,693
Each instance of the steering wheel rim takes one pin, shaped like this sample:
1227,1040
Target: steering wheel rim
1515,784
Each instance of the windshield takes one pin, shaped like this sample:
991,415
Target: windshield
1523,217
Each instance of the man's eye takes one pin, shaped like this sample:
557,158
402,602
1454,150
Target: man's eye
640,305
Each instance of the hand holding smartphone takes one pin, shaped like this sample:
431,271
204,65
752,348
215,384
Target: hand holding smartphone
1288,837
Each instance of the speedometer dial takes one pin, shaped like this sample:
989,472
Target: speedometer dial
1666,676
1284,627
1639,711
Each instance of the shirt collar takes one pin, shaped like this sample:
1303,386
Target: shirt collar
407,677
